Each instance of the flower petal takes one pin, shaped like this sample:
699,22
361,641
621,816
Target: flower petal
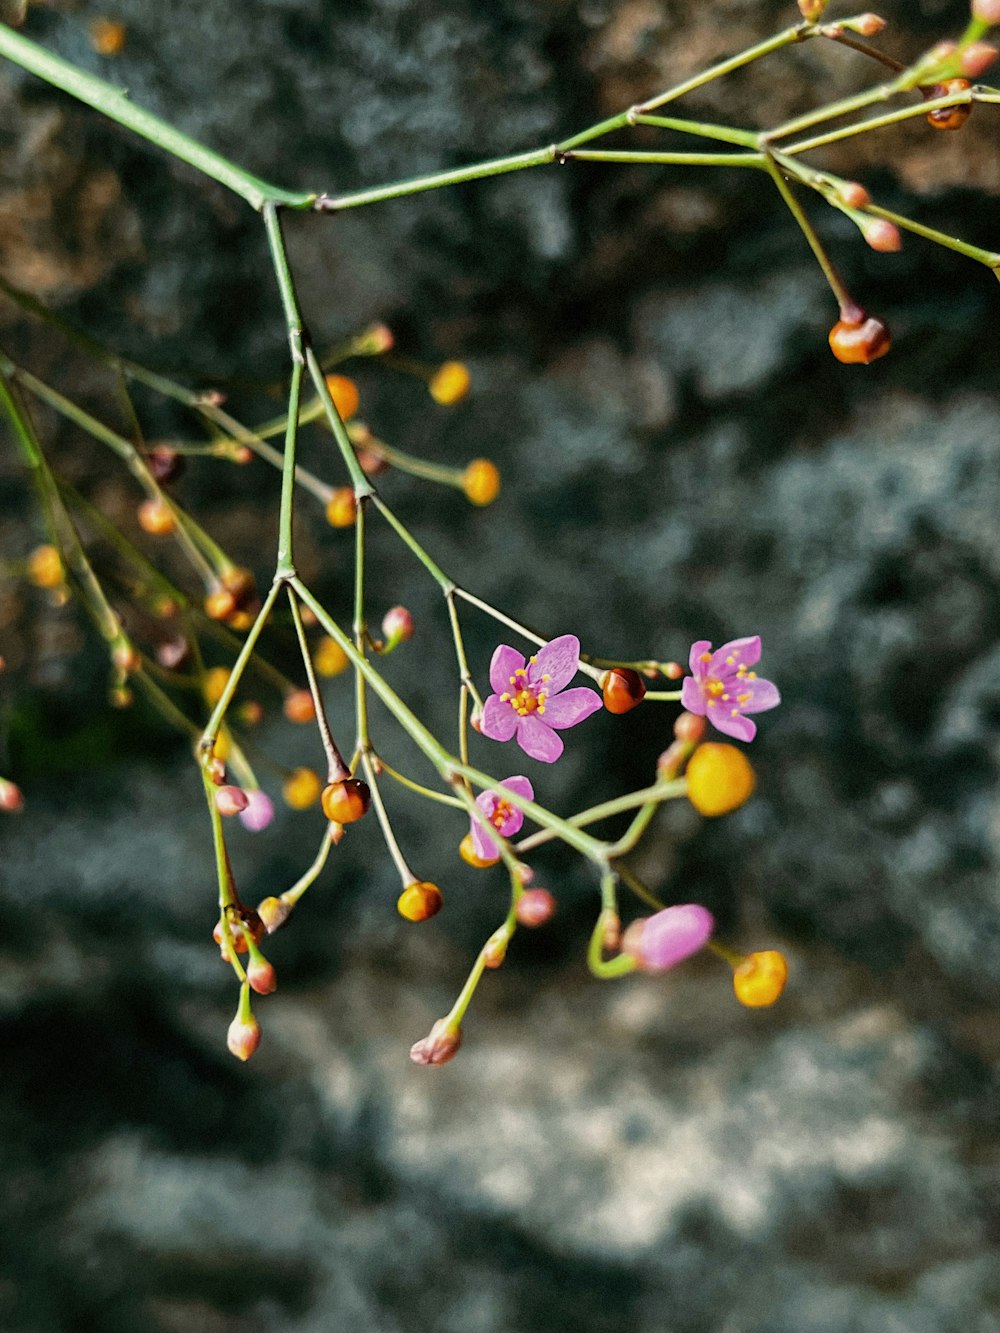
672,935
571,707
506,661
482,844
520,786
559,660
487,802
763,695
732,655
499,719
537,739
692,696
698,667
739,726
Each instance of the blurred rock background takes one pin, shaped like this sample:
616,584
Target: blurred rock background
682,458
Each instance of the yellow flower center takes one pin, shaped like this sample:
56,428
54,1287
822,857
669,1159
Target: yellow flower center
499,815
526,699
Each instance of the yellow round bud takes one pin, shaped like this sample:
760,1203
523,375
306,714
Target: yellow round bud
107,36
329,658
481,481
719,779
419,901
45,567
760,978
301,789
467,852
450,383
213,683
344,393
342,508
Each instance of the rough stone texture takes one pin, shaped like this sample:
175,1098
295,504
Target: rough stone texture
681,458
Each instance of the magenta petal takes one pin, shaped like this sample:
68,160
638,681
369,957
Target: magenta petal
506,661
499,720
538,740
520,786
559,660
259,811
571,707
692,697
697,666
739,726
673,935
482,844
763,695
743,652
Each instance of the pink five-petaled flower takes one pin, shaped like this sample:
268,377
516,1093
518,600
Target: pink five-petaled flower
723,688
530,698
504,817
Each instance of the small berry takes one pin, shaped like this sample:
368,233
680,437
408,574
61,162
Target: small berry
230,800
220,604
262,976
949,117
860,342
299,706
719,779
397,626
623,689
439,1046
535,907
883,235
164,463
301,789
346,800
450,383
156,517
342,508
481,481
760,978
419,901
467,852
329,658
107,36
213,683
854,194
11,797
344,393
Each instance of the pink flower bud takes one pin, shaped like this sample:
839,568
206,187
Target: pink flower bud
258,811
439,1046
495,949
854,194
173,653
230,800
397,626
986,11
262,976
976,59
662,941
525,874
243,1037
535,907
869,25
883,236
690,728
11,797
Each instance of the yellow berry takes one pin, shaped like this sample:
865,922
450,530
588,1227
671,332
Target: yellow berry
45,567
450,383
301,789
213,683
342,508
419,901
719,779
344,393
156,517
107,37
760,978
481,481
467,852
329,658
299,706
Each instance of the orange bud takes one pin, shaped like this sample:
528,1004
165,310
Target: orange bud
11,797
329,659
854,194
760,978
342,508
156,517
481,482
346,800
344,393
535,907
450,383
860,342
299,706
45,567
262,976
719,779
623,689
220,604
883,235
419,901
107,36
301,789
439,1046
949,117
467,852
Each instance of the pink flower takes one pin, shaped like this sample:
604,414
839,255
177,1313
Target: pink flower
723,688
530,699
258,812
666,939
504,817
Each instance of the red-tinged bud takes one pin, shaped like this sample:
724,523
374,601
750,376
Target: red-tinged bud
212,397
220,604
976,59
346,800
299,706
883,235
690,728
215,768
495,949
376,340
397,626
854,194
611,933
243,1037
476,719
535,907
240,583
336,833
420,901
949,117
125,658
251,713
274,912
525,874
986,11
623,689
262,976
673,670
11,797
861,342
156,517
812,10
242,454
164,463
372,464
439,1046
869,25
231,800
120,696
173,653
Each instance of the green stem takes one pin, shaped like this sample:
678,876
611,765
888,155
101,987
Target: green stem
239,666
724,133
880,122
672,159
788,37
326,203
833,278
389,838
291,896
296,339
436,572
336,769
417,787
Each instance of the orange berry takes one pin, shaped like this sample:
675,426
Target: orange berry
623,689
949,117
213,683
467,852
760,978
719,779
299,706
45,567
481,481
301,789
344,393
11,797
450,383
342,508
329,658
107,37
419,901
535,907
346,800
156,517
860,342
220,604
251,713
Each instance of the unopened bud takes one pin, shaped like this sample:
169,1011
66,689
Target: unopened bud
883,235
342,508
439,1046
231,800
976,59
450,383
689,728
854,194
156,517
274,912
11,797
869,25
812,10
173,653
374,341
535,907
299,706
662,941
262,976
164,463
673,670
986,11
397,626
622,689
495,949
243,1037
126,658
